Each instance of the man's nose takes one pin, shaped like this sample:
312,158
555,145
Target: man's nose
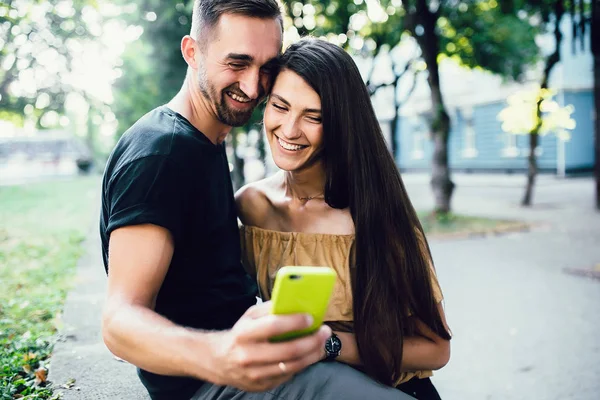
250,84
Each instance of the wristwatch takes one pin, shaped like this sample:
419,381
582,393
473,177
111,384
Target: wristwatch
333,347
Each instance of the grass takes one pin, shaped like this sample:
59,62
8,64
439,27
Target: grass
454,226
42,227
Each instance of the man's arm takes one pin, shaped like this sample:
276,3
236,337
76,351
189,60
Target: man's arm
139,258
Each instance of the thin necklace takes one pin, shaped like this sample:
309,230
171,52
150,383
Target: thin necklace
307,198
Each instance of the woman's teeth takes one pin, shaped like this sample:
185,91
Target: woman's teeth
289,146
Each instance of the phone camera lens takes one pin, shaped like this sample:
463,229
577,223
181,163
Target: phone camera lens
295,277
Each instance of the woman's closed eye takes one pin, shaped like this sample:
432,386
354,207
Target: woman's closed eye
278,107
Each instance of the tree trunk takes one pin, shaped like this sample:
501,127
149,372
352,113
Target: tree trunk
596,55
551,61
397,105
394,140
531,170
441,183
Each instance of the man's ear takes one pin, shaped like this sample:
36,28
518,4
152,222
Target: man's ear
189,50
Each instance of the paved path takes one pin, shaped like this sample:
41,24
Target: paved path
81,353
523,329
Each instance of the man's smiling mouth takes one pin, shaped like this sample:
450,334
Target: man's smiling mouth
238,98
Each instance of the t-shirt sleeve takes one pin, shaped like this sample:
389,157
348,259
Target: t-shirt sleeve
147,191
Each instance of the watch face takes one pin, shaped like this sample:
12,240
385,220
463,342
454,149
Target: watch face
333,345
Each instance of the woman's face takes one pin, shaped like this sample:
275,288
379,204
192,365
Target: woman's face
293,122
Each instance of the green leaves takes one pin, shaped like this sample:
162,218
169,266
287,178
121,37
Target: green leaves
484,36
476,33
520,116
36,45
153,67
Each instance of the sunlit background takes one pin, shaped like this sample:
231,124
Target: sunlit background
508,90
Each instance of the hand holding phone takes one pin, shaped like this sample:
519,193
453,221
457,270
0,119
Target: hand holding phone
302,290
246,358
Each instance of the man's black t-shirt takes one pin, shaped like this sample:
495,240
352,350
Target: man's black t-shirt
165,172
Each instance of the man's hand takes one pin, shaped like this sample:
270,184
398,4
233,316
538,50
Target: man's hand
245,359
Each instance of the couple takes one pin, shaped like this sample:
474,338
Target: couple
180,305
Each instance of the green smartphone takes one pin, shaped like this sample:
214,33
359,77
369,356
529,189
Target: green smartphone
302,290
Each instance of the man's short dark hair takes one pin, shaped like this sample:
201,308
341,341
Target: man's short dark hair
206,13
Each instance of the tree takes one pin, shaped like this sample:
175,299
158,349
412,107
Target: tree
473,32
477,34
411,66
153,67
38,44
551,13
535,113
558,9
422,21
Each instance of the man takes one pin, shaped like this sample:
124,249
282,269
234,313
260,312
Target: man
179,305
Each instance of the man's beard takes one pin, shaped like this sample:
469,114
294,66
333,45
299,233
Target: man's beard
225,114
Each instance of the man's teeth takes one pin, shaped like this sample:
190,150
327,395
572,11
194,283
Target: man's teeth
289,146
239,98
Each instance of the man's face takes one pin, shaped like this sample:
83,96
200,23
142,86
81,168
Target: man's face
234,67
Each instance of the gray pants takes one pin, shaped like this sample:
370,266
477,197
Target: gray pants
322,381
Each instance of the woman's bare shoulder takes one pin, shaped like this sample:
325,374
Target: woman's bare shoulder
253,201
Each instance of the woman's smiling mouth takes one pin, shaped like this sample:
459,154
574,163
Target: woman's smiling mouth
289,146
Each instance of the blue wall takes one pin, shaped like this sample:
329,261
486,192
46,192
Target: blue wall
491,142
579,151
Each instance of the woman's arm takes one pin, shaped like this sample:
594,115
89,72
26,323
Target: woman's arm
349,354
425,352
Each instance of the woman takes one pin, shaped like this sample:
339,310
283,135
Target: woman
339,201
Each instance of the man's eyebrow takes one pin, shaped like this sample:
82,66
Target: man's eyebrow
239,57
306,110
249,59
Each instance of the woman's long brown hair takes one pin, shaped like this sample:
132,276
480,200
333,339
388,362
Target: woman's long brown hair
391,275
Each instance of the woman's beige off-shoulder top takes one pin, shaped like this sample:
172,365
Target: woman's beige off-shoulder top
265,251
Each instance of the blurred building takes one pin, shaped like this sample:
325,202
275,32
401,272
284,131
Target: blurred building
32,155
474,99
